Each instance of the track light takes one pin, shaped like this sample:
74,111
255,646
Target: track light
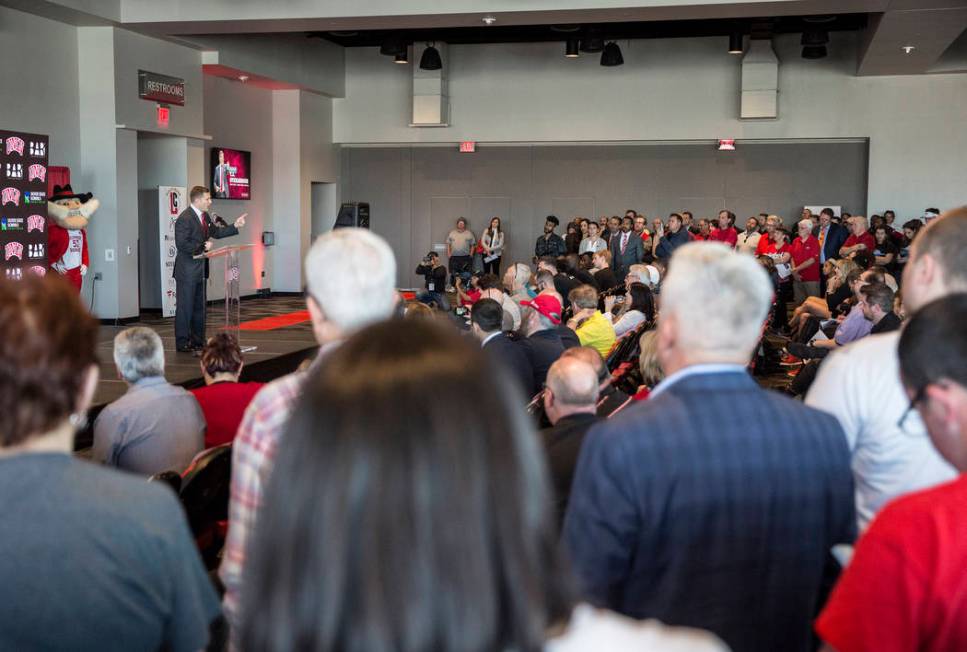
611,55
571,50
735,43
401,57
591,42
392,46
431,59
814,43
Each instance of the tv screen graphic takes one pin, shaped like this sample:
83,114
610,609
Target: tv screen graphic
230,173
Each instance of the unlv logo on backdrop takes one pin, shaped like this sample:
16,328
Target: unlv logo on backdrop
15,144
39,270
37,148
35,251
36,172
35,223
13,250
10,196
15,171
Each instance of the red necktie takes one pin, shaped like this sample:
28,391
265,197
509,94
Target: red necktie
204,225
624,242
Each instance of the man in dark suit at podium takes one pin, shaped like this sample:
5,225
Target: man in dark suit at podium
194,230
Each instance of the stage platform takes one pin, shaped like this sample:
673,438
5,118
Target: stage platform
279,350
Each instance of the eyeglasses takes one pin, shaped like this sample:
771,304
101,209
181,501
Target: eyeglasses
917,398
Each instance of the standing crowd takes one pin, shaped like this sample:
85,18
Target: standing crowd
487,481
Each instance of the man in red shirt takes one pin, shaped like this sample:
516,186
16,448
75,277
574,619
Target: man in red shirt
905,588
725,232
861,239
805,263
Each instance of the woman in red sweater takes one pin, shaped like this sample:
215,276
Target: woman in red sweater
223,399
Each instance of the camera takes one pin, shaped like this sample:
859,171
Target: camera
426,260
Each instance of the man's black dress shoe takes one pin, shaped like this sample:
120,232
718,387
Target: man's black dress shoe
185,349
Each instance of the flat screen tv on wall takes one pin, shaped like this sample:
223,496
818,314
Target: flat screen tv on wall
230,173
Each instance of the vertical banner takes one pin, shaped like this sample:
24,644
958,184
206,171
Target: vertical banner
172,200
23,204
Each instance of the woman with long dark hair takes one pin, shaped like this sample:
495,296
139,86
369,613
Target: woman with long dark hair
409,510
492,242
885,253
636,307
572,238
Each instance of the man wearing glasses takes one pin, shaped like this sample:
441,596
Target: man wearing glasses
904,588
860,383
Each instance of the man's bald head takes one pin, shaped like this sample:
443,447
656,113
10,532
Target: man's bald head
573,382
591,357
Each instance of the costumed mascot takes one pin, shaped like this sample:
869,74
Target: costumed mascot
68,215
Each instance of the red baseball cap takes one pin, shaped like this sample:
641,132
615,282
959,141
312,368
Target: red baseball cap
547,305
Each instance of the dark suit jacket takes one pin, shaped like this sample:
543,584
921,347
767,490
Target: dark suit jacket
569,339
190,241
670,242
634,253
835,239
543,348
714,505
514,360
562,442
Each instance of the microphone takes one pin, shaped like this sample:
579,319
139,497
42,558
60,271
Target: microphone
217,219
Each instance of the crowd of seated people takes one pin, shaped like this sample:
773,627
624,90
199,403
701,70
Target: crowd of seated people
395,494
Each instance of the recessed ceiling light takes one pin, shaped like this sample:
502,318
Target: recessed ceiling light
908,48
243,78
489,20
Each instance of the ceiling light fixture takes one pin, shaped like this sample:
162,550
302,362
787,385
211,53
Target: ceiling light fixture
908,48
592,42
735,43
489,20
401,57
611,55
392,46
571,49
431,58
814,43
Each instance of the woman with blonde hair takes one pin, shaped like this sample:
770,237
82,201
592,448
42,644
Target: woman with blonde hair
648,364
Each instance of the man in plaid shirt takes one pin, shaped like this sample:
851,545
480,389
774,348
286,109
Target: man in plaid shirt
350,280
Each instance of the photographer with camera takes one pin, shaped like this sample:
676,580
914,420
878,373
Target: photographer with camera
435,275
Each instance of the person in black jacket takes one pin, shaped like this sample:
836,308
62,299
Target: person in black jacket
435,274
569,403
194,230
486,321
550,244
541,344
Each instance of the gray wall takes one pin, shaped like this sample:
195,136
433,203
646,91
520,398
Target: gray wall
416,193
677,90
43,98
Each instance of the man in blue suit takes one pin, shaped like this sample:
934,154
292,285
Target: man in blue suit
715,503
831,237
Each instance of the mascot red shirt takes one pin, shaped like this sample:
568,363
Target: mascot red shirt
69,215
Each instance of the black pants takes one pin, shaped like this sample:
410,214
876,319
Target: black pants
780,316
190,312
493,267
460,266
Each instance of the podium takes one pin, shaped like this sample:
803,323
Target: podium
233,302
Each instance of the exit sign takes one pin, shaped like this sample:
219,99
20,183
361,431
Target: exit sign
468,146
164,116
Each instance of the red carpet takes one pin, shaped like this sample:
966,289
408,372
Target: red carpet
279,321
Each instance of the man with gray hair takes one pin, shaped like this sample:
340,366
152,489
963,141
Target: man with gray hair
570,403
714,503
155,426
350,284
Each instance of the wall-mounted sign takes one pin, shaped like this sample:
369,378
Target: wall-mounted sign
161,88
726,144
164,116
468,146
